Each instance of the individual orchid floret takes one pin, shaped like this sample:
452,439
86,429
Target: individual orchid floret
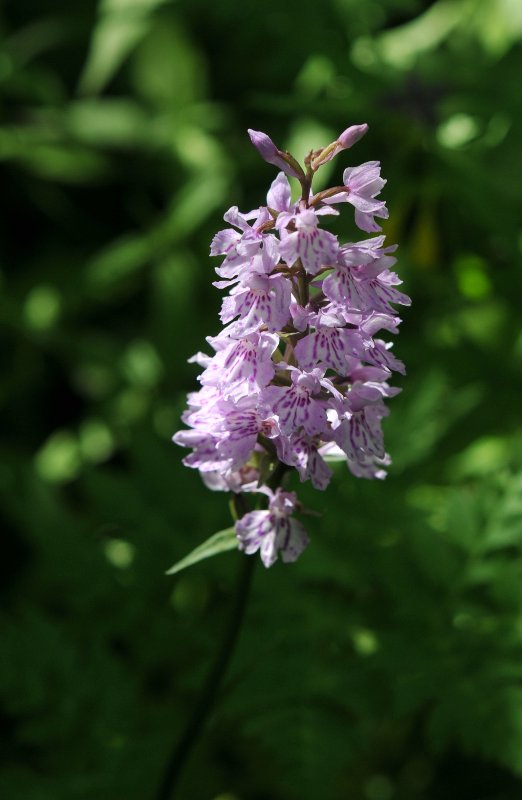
224,433
359,436
364,184
361,279
267,150
347,139
241,366
247,250
303,453
245,479
264,302
241,429
299,405
279,196
315,247
273,531
330,344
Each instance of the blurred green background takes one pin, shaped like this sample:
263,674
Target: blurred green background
387,663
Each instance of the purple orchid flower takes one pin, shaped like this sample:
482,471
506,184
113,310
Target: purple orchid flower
298,377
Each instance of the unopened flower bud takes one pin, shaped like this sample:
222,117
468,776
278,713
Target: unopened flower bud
346,140
268,150
351,135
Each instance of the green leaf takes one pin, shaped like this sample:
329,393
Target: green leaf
220,542
120,28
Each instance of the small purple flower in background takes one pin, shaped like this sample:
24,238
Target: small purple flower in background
298,377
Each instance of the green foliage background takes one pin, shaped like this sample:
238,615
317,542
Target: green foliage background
387,663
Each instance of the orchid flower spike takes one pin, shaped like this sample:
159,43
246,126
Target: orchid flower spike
299,374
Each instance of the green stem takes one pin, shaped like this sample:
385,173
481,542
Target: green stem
304,295
205,702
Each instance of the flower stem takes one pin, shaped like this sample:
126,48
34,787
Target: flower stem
205,702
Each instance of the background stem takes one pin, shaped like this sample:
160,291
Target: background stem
205,702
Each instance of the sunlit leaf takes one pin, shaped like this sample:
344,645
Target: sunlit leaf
167,68
218,543
121,25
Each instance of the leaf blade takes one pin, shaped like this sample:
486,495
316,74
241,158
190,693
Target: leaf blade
219,542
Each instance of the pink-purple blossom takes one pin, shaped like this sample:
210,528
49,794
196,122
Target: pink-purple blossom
363,184
241,366
298,405
300,373
273,532
314,247
261,303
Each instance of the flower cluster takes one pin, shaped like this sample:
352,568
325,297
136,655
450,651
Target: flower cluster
299,372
